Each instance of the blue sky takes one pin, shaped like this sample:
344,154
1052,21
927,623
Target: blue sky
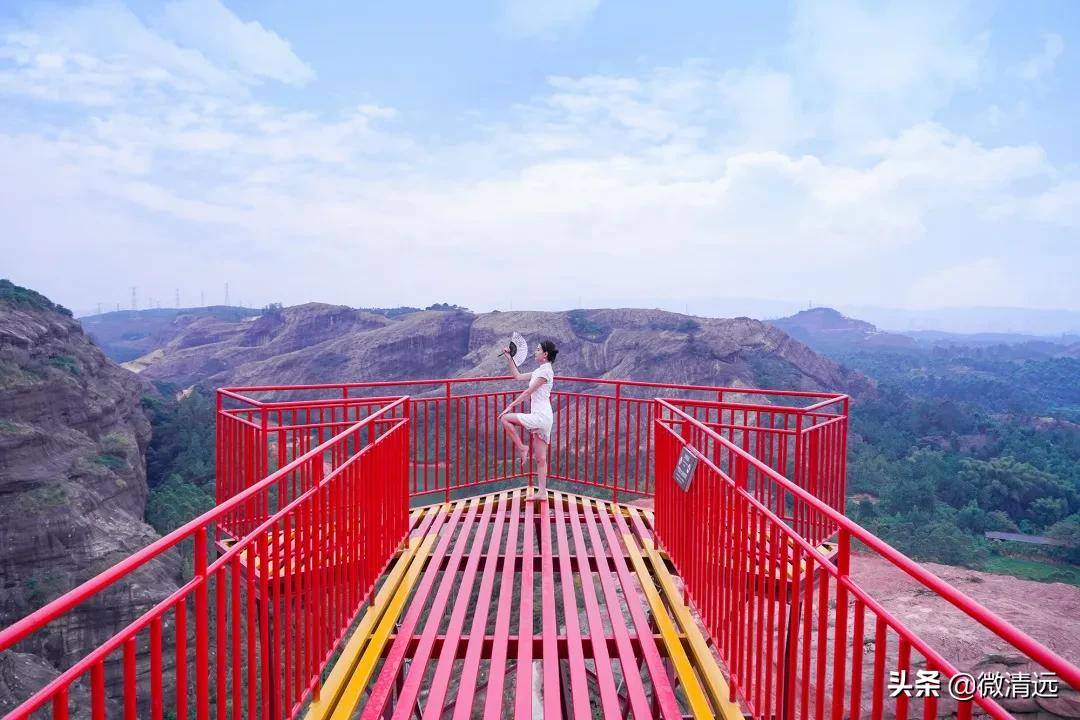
546,155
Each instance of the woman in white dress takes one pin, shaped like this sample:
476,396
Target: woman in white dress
539,419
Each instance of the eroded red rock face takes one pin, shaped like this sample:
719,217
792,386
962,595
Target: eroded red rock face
73,489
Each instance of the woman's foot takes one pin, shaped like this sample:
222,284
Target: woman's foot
523,457
540,496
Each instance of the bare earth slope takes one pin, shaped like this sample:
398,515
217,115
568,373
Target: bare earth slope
1048,612
326,343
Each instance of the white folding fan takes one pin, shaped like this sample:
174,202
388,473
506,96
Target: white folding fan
519,349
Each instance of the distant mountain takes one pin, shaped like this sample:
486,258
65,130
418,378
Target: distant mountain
827,330
329,343
126,334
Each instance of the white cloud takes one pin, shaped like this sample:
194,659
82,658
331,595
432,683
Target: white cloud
1042,63
875,70
692,176
247,46
985,282
103,54
527,17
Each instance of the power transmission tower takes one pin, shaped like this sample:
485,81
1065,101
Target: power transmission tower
99,308
178,298
134,304
202,298
226,294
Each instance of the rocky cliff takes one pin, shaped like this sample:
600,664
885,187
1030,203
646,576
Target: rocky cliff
326,343
72,485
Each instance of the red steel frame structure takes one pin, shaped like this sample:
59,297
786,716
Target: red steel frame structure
312,523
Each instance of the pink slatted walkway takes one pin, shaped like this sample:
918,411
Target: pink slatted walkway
606,632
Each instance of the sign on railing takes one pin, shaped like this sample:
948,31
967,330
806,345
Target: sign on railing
684,468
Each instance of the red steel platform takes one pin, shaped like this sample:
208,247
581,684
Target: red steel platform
373,554
504,607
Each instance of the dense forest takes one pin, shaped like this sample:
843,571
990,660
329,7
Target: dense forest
961,441
180,459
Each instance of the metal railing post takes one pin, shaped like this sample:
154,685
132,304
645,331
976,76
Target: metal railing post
618,403
202,629
447,468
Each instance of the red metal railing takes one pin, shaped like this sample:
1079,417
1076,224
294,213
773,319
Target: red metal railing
800,638
602,435
250,632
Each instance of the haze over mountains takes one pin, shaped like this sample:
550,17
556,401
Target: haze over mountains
965,321
827,330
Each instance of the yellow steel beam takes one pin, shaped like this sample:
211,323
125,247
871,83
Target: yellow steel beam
699,704
341,685
699,647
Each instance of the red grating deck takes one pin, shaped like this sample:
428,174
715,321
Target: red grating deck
607,632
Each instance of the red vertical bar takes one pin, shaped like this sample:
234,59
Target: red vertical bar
615,444
446,470
181,660
466,454
278,566
807,632
131,709
758,653
772,604
318,558
822,646
856,661
930,702
157,703
234,634
60,704
577,438
97,691
903,664
252,624
840,633
202,628
220,633
878,686
597,477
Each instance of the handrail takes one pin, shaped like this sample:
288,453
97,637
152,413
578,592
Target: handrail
836,572
21,629
1034,649
235,391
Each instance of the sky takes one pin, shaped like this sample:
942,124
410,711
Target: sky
513,154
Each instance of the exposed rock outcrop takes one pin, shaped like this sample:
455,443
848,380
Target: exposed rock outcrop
72,484
327,343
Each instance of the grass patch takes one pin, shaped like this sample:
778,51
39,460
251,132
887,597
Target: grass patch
12,294
587,328
66,363
1033,569
109,460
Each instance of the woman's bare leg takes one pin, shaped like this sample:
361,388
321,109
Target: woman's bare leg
540,454
511,425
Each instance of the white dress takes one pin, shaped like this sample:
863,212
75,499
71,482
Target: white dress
540,417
